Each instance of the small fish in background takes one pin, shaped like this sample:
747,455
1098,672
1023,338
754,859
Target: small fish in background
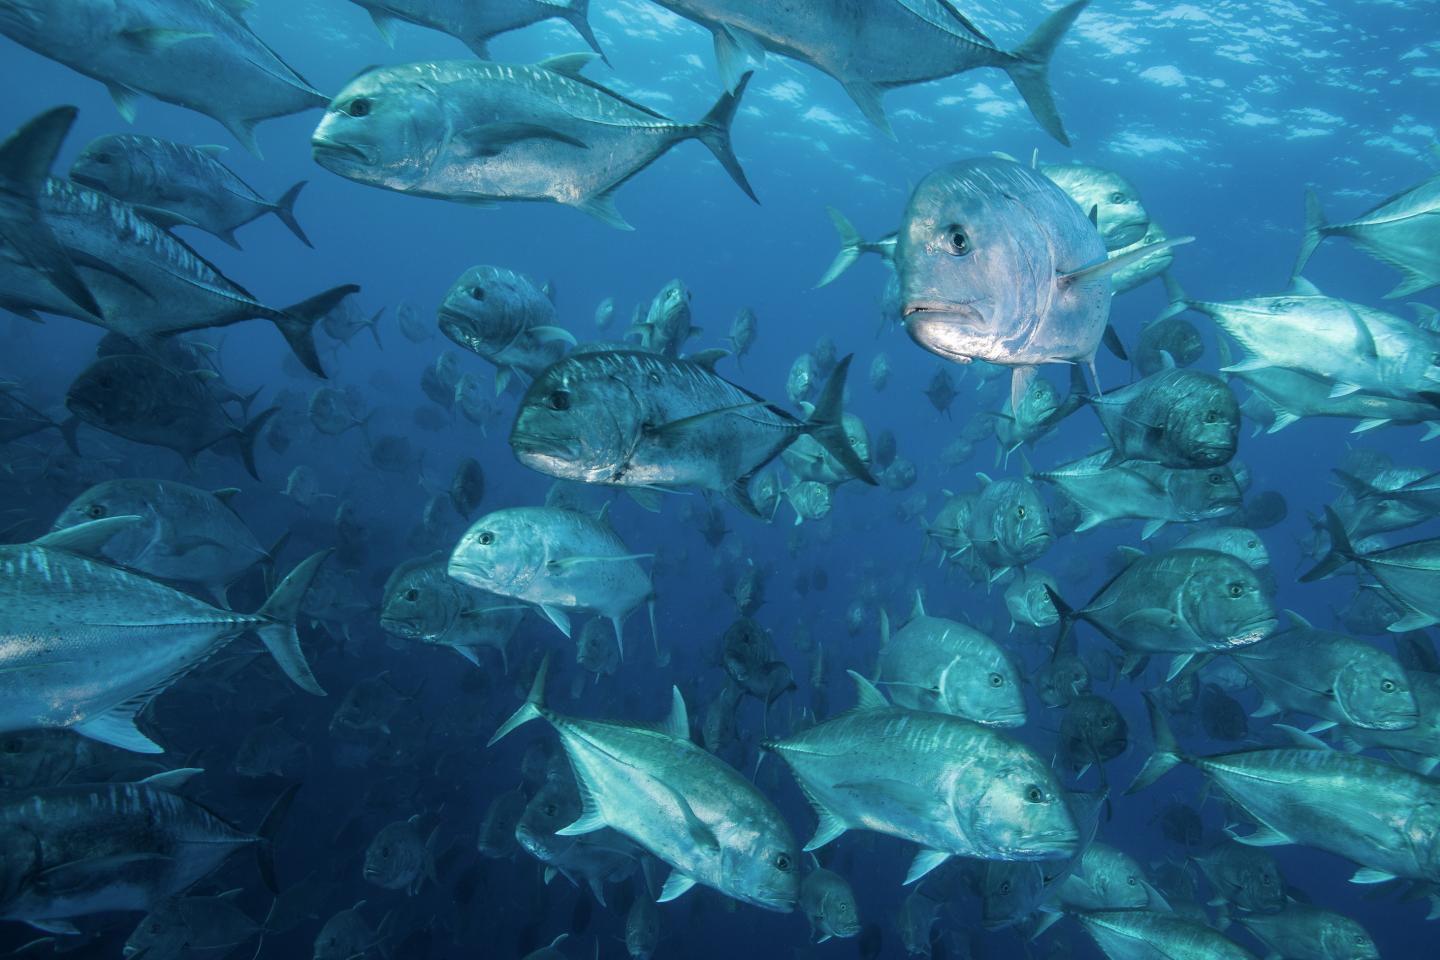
402,857
604,313
506,318
476,26
829,905
744,330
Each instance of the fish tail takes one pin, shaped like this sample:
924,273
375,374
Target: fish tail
285,210
281,611
247,436
1341,550
265,836
1314,231
374,325
1029,68
1167,753
1067,615
530,709
577,14
297,323
25,161
826,424
849,252
713,130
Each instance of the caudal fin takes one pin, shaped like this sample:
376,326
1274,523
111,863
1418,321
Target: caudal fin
281,610
266,833
297,323
713,130
530,709
1341,551
850,241
827,426
1167,753
247,436
26,157
578,16
1314,232
1030,68
285,210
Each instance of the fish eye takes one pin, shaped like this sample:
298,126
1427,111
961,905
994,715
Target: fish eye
559,400
102,158
1130,881
486,538
1211,416
1250,544
996,680
412,594
95,511
956,242
550,809
1237,589
782,862
1034,794
477,293
1266,879
1004,887
1020,513
359,107
1106,722
1117,198
1215,479
1387,685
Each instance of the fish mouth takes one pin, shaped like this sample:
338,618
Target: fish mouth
85,180
467,571
401,628
334,148
1129,234
1254,631
943,311
779,904
1051,844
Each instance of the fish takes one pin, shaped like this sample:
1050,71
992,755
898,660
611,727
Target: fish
332,411
687,808
74,851
1143,491
1118,212
589,860
1027,599
1105,878
1092,731
1399,231
26,157
176,184
997,263
1240,542
952,786
1136,934
808,459
407,315
642,929
147,282
1167,336
119,638
932,663
633,418
803,376
400,857
479,132
667,324
197,55
475,25
267,751
507,319
558,560
879,372
853,246
186,534
1041,410
1410,573
1183,602
1008,525
346,319
1243,875
467,487
829,905
857,47
1141,263
182,924
744,330
1355,807
496,839
1181,419
421,602
1302,930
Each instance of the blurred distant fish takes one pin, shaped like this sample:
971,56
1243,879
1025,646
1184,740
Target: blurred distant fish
421,603
476,24
604,313
346,319
332,411
667,324
412,324
506,318
743,331
199,55
179,185
467,487
493,131
852,245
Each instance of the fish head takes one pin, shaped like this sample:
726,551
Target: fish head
114,390
1206,493
555,806
801,381
1120,216
1202,418
386,126
1225,603
420,603
1010,891
1019,813
110,166
837,911
1094,730
502,552
985,689
1373,693
487,309
386,861
581,419
976,260
1038,405
1062,680
1341,937
763,869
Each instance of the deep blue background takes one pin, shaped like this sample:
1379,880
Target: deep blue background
1221,115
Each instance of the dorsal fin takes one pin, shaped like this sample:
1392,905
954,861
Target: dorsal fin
919,609
1301,287
867,697
678,723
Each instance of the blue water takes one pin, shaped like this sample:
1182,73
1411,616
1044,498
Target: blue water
1221,116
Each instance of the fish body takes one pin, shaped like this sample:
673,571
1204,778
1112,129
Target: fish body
1402,231
829,904
1145,491
1153,935
1409,572
1306,932
1104,878
476,24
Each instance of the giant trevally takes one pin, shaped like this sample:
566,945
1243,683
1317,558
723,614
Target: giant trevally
1153,934
476,132
997,263
1183,602
667,323
589,859
148,282
26,157
1402,231
1182,419
953,786
421,602
475,24
188,534
1379,815
1008,525
1041,410
634,418
73,851
682,804
873,47
1140,490
88,645
1118,212
179,185
932,663
1289,395
506,318
194,53
1302,930
1153,257
1409,572
142,399
558,560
